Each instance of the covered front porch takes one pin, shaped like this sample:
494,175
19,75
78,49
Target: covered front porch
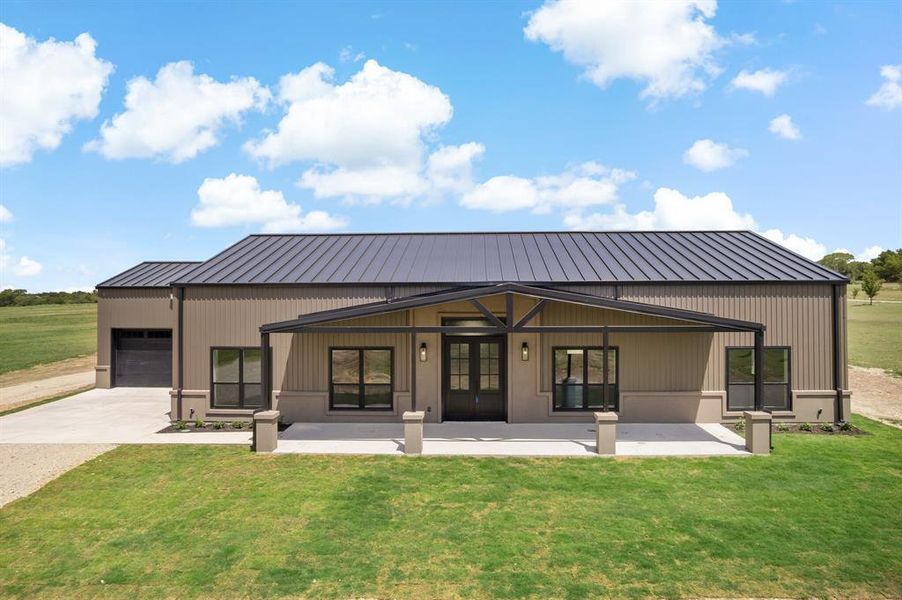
512,439
506,352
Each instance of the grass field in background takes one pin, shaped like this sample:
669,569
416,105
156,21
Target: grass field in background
818,518
889,291
874,336
35,335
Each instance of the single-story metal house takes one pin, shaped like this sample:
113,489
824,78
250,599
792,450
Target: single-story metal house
680,326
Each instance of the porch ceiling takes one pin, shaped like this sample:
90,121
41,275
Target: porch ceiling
696,321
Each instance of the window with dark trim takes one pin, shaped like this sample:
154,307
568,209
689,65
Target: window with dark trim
235,375
578,377
777,394
360,378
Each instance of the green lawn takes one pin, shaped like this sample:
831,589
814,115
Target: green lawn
889,291
874,334
819,518
35,335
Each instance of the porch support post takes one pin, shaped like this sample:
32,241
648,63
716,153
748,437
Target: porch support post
266,368
413,371
604,369
759,370
413,431
606,433
757,431
509,306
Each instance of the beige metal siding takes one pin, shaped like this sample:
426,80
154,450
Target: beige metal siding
796,315
232,316
139,308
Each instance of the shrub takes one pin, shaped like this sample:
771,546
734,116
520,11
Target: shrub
218,425
237,425
182,425
805,427
845,426
740,425
198,424
782,427
826,427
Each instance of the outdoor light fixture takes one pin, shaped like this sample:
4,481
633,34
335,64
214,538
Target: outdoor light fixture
524,351
423,352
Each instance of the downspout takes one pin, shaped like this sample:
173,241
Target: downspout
181,347
838,366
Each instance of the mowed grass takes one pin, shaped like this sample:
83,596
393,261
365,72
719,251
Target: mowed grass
889,291
875,332
36,335
818,518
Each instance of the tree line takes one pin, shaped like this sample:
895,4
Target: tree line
10,297
869,275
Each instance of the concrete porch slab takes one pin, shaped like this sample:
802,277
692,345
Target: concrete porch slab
504,439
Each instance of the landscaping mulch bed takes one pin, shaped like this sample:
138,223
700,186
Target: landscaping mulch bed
816,429
223,427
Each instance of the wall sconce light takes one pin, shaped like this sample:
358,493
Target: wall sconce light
423,352
524,351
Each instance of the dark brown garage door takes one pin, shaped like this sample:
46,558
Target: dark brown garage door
142,357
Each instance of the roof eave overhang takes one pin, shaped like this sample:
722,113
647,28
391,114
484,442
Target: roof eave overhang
310,321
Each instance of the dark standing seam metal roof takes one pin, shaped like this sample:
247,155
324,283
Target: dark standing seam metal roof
157,274
487,258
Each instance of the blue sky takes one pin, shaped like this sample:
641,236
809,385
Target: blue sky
439,116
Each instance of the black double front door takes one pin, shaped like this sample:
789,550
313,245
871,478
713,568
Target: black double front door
474,378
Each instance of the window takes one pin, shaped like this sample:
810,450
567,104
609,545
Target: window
579,379
741,379
236,377
360,378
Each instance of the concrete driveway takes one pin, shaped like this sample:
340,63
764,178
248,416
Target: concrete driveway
114,416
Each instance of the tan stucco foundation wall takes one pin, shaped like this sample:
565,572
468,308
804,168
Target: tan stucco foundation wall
131,309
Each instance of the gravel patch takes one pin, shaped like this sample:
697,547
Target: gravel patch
27,467
876,394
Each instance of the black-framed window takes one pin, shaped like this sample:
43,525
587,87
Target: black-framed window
777,394
360,378
578,375
236,377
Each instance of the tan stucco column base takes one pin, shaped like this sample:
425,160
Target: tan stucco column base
413,431
757,431
266,430
606,433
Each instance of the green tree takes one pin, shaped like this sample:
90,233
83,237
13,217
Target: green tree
856,269
854,291
888,265
837,261
870,284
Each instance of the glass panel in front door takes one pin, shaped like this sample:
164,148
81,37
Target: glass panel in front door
489,367
459,371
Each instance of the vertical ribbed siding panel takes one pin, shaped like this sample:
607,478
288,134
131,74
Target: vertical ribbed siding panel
232,316
138,308
796,315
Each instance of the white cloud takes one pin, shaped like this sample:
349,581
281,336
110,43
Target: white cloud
783,127
176,116
451,167
347,54
46,87
238,200
707,155
672,211
6,215
765,81
24,267
590,184
368,137
668,46
869,254
889,95
27,267
806,246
